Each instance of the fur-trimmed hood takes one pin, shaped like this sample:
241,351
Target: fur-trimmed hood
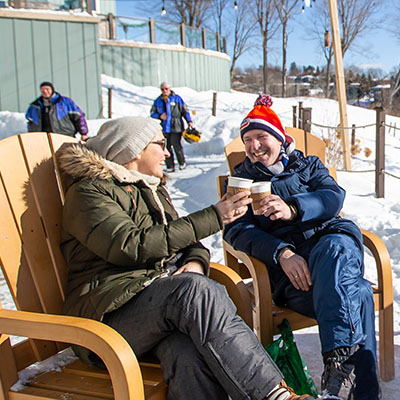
77,162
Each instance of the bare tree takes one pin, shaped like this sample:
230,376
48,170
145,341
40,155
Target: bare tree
394,88
218,7
190,12
356,17
243,34
394,28
267,20
319,29
286,10
393,18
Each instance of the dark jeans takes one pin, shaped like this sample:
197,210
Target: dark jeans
342,302
206,351
174,141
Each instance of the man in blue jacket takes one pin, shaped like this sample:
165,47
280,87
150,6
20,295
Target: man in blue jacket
171,109
314,257
52,112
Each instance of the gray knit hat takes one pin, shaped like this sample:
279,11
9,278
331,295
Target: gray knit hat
121,140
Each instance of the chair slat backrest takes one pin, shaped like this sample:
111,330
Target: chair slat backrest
31,207
305,142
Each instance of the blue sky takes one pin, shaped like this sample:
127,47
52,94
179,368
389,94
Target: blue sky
377,49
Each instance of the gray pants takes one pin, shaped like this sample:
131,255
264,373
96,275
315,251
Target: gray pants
206,351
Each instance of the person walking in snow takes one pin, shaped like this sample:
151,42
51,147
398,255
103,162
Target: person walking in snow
134,264
314,257
171,110
52,112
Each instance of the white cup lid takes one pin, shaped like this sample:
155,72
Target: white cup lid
260,187
234,181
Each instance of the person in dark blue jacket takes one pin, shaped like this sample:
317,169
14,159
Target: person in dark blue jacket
314,257
171,109
52,112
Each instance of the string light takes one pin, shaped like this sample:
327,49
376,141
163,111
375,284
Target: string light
306,3
236,5
163,10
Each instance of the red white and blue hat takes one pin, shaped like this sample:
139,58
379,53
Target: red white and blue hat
264,118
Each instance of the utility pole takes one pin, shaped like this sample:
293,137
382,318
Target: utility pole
340,83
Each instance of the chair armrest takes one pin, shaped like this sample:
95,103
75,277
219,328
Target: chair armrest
108,344
383,266
262,290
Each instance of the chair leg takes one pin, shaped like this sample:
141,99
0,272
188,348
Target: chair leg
386,344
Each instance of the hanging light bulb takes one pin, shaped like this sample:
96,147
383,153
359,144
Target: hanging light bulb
235,5
163,10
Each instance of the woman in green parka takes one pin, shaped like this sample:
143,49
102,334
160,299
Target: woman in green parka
138,267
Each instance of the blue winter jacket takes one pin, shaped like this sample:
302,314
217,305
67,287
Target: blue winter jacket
305,183
175,108
64,116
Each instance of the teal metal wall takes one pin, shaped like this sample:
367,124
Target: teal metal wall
151,64
59,48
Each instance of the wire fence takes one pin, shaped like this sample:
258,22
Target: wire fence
302,119
340,128
394,127
149,30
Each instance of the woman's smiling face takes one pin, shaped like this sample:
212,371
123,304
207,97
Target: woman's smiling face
262,146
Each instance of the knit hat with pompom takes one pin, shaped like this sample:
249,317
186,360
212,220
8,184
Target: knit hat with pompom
264,118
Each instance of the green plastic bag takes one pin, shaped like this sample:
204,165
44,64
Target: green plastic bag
285,354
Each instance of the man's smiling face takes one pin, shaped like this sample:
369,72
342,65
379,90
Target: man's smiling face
262,146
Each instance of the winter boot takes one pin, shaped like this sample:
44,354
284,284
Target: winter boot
284,392
338,370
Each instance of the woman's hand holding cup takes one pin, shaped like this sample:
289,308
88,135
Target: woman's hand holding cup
233,207
233,204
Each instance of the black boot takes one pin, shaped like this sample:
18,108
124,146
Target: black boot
338,370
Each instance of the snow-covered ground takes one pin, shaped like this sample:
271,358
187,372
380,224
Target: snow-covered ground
195,187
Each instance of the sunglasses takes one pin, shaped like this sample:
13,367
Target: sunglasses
165,88
161,143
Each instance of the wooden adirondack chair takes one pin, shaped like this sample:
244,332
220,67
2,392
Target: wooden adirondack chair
266,315
31,199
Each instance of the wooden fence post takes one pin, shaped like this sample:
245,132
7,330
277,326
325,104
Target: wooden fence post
306,116
214,104
88,6
183,34
380,153
294,117
203,39
152,31
111,26
353,134
109,102
300,115
307,119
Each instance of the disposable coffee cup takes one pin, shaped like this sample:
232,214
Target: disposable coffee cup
237,185
259,190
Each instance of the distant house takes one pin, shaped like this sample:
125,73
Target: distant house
305,79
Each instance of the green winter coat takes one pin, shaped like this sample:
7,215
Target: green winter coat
119,228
